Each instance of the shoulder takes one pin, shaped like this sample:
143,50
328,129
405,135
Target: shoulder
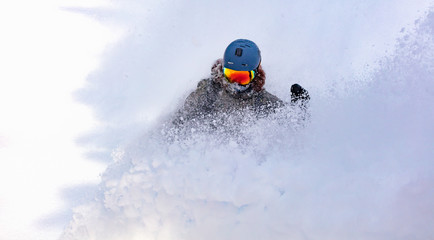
205,93
205,86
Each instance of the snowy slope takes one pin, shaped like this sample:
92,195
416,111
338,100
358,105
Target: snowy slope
361,169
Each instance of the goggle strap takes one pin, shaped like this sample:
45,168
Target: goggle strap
252,74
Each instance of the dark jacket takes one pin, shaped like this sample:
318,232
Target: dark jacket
215,106
212,96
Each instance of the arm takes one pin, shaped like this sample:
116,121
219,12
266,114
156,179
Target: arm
300,101
299,95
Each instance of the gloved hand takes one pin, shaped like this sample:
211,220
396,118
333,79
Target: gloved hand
298,93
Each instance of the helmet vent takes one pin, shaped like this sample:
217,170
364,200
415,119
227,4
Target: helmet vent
239,52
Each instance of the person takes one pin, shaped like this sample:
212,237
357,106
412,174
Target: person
234,90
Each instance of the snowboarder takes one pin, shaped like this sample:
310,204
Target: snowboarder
235,86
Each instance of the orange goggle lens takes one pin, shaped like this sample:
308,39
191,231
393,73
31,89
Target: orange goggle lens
240,77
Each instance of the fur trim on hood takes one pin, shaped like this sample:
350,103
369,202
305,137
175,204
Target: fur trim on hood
217,74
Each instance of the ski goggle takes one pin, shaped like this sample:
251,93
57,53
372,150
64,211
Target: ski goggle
240,77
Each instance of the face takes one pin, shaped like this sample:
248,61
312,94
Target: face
237,82
236,88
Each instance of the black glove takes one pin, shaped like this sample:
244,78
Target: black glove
298,93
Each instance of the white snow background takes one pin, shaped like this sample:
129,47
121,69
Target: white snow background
45,55
84,83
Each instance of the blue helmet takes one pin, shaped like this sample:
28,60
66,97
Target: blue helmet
242,55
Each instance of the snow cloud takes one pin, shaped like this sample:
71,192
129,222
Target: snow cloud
362,168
